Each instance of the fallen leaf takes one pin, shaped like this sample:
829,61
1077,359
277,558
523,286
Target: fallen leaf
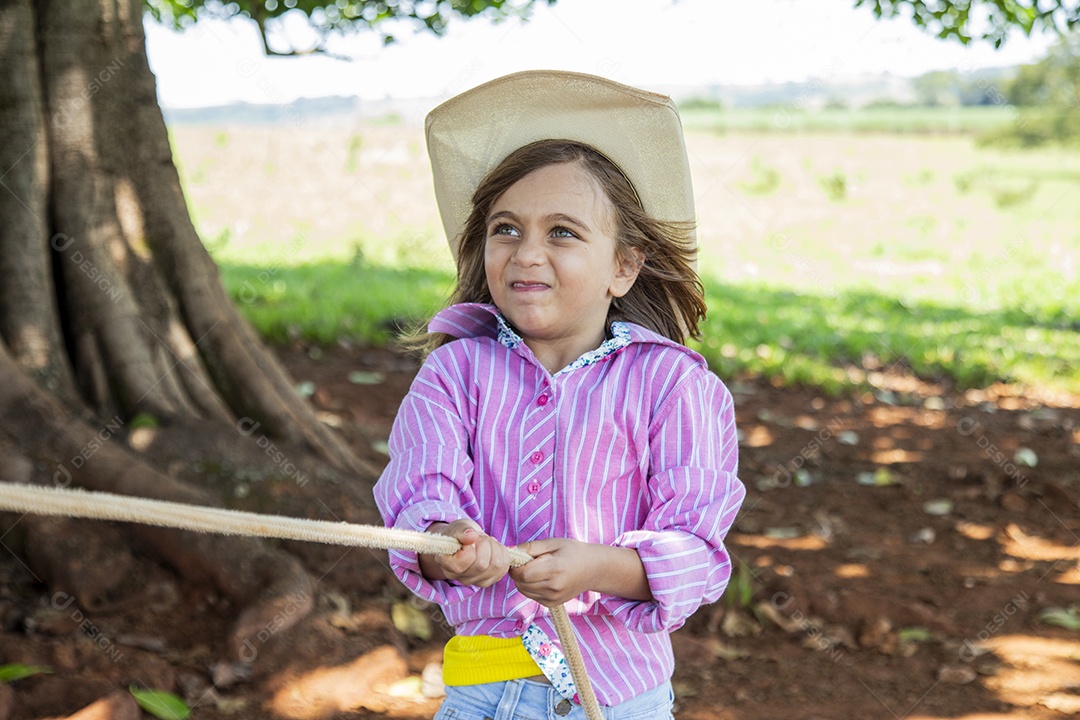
934,403
362,377
737,624
923,536
915,634
18,671
409,687
879,478
771,613
783,533
941,506
956,674
1063,703
410,620
161,704
431,685
728,652
1068,618
1026,456
886,396
847,437
230,705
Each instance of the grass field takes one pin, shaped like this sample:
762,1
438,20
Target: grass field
826,255
906,120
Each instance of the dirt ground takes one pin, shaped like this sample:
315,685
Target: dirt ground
896,551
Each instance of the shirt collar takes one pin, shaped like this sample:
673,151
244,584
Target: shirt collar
620,338
470,320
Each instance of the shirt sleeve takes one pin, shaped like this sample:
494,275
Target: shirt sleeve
429,476
695,494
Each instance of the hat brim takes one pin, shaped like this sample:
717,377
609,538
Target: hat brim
639,131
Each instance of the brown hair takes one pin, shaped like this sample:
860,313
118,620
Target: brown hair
667,296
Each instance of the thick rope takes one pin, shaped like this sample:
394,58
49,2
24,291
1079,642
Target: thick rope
125,508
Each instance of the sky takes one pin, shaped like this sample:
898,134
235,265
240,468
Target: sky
653,44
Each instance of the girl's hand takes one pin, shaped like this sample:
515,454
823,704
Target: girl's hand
482,560
562,569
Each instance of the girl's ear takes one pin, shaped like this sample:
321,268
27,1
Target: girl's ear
627,267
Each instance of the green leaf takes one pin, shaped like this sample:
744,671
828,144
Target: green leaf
915,634
941,506
160,704
410,620
360,377
879,478
143,420
783,533
1068,618
17,671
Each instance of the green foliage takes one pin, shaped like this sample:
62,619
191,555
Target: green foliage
160,704
937,88
17,671
1054,81
764,179
327,17
835,185
143,420
741,588
876,117
949,88
1068,618
915,634
996,18
411,620
1037,128
1011,195
700,102
352,160
1049,92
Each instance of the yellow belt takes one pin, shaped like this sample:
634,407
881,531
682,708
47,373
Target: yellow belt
476,659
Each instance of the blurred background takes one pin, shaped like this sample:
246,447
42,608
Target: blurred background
869,195
890,237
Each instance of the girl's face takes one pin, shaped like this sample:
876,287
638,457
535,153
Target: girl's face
551,263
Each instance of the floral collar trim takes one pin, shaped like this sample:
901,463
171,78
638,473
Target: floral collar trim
620,338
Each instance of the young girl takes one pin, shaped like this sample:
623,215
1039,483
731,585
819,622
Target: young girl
558,410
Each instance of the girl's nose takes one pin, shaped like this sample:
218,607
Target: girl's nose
530,251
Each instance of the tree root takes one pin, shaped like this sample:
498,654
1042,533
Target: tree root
258,578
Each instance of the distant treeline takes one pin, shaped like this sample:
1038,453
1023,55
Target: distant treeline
1025,105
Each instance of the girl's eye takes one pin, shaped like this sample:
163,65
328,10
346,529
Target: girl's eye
561,232
503,229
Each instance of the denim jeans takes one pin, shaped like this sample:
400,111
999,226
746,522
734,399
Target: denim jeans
533,700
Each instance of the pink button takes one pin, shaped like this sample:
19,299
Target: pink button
534,487
537,458
542,400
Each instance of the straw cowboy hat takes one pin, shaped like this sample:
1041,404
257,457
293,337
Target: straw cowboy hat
639,131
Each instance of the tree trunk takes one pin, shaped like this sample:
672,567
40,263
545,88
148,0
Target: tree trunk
110,307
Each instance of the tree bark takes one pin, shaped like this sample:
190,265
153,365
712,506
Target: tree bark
110,306
29,322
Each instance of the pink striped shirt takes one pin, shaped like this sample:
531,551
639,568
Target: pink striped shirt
633,446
